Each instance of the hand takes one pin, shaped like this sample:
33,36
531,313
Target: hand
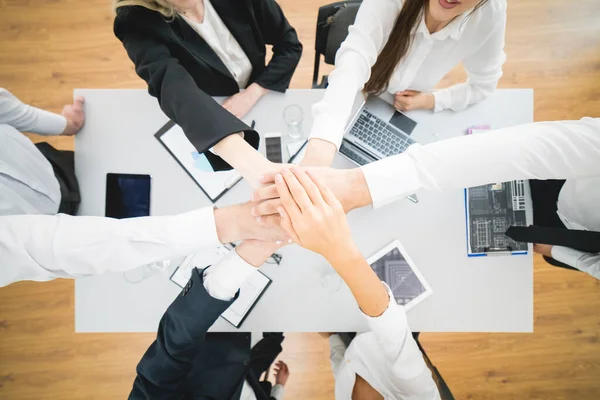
74,115
240,103
236,223
311,215
412,100
348,185
543,249
282,373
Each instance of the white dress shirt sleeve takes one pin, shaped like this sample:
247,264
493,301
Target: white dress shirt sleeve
353,62
409,370
543,150
586,262
43,247
26,118
277,392
337,352
223,280
484,70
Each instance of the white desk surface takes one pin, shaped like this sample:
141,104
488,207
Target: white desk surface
484,294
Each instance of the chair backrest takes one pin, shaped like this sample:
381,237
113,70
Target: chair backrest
333,21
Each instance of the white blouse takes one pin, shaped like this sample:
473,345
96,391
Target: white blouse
220,39
477,41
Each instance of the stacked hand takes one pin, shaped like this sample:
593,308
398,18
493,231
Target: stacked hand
74,115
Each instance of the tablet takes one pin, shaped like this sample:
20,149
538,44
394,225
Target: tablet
213,183
394,267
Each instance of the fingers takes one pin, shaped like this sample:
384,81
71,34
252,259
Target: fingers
266,193
326,193
286,225
268,207
309,186
287,200
297,190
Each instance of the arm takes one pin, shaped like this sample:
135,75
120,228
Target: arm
287,49
353,62
26,118
41,247
203,120
165,365
585,262
316,220
543,150
484,69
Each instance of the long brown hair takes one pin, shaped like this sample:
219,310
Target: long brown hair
398,44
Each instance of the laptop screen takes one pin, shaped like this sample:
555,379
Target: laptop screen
403,123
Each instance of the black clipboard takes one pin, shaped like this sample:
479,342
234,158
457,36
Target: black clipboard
158,135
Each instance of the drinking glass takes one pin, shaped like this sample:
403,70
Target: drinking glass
293,116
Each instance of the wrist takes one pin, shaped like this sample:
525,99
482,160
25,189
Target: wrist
343,254
319,153
228,229
255,253
358,194
257,90
429,101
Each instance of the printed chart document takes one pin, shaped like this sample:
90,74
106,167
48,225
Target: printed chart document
250,293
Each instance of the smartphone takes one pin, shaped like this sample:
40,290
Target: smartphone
273,147
127,195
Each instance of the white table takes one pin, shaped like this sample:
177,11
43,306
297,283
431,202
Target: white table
484,294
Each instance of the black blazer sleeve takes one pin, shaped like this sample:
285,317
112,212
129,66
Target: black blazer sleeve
287,49
182,329
202,119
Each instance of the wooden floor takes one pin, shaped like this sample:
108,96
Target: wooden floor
50,47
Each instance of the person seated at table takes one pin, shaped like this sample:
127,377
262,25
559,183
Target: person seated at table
190,50
36,179
401,49
565,150
186,362
384,362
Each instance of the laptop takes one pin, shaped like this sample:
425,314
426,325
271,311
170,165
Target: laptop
377,130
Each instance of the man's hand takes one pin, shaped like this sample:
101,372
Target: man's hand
282,373
311,214
543,249
240,103
412,100
74,115
236,223
348,185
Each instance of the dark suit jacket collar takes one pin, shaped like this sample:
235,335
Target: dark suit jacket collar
236,21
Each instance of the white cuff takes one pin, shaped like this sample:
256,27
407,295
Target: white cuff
391,178
566,255
335,340
195,229
223,280
328,129
392,324
277,391
442,100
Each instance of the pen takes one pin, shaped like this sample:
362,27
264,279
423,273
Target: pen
252,124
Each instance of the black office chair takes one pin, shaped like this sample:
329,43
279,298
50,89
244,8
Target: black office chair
445,392
332,28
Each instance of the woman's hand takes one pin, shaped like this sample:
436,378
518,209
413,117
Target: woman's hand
413,100
348,185
311,215
240,103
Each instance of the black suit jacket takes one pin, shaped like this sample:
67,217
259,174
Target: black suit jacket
186,363
183,72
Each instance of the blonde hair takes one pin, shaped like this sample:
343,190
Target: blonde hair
161,6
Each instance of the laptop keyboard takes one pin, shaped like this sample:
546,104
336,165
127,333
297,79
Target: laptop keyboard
376,132
353,154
